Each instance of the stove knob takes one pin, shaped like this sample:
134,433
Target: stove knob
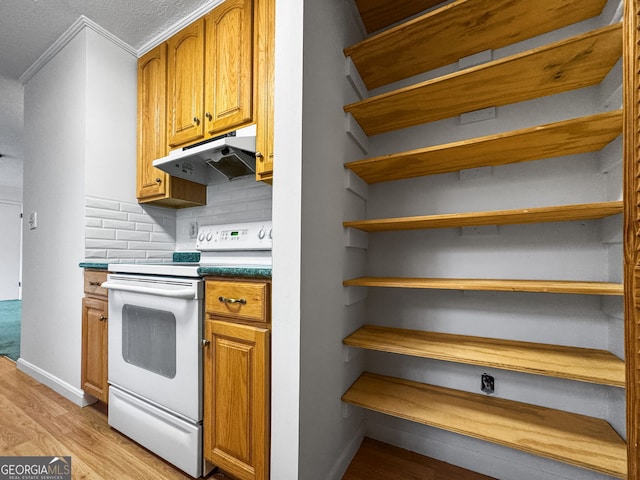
262,233
271,234
201,236
209,236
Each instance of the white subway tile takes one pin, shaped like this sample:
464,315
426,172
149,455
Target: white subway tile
106,244
102,203
131,208
139,218
100,233
151,246
144,227
95,253
132,235
104,214
92,222
161,237
118,224
129,254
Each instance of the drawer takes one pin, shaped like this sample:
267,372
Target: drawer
92,281
244,300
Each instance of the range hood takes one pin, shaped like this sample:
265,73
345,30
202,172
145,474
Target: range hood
232,155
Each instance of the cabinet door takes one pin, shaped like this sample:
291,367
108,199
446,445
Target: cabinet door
264,88
236,392
152,84
94,348
229,66
185,92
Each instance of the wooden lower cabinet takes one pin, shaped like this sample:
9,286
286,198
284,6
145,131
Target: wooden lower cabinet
95,311
236,393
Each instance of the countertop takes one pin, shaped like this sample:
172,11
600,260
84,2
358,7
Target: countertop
205,270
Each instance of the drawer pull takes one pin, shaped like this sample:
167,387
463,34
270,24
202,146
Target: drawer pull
232,300
95,284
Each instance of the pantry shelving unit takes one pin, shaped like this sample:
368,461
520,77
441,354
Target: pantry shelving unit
569,137
459,30
575,439
578,62
557,213
583,364
447,33
378,14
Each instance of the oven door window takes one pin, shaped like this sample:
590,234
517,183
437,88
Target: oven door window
149,339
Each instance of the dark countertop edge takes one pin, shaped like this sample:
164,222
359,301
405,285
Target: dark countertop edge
235,272
245,272
96,265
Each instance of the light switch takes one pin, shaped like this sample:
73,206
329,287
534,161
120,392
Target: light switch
33,220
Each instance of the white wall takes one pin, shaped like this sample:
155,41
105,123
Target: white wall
59,168
111,113
287,225
310,437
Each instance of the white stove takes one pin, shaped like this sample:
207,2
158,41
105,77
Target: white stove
156,321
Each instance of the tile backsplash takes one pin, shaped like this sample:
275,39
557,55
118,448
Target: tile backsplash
240,200
117,231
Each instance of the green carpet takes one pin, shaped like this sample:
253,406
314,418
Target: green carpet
10,317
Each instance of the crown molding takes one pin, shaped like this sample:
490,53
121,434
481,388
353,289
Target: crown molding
65,38
176,27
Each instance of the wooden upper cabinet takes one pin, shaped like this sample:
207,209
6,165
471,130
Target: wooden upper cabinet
152,84
263,94
185,90
229,66
154,185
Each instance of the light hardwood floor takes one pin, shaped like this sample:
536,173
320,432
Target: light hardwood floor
377,460
34,420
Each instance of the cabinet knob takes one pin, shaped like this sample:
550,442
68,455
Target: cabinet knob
205,342
209,116
158,180
259,155
102,318
196,120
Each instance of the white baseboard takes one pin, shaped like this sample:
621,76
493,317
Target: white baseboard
342,462
68,391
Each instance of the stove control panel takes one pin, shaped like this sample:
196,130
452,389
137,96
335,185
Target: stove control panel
235,236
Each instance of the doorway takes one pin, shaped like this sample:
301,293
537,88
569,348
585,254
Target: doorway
10,278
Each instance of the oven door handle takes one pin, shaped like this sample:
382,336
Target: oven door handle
186,293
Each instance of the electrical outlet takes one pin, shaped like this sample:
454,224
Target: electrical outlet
193,229
488,383
33,220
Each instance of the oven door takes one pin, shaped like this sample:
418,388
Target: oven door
155,330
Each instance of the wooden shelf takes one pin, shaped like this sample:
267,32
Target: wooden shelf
379,14
532,286
578,62
569,137
582,364
457,30
567,437
564,213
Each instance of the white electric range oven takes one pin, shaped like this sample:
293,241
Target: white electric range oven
156,321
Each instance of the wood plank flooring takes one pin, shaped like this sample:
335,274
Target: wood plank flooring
380,460
35,420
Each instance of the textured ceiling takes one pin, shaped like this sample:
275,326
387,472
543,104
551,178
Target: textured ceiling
29,27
